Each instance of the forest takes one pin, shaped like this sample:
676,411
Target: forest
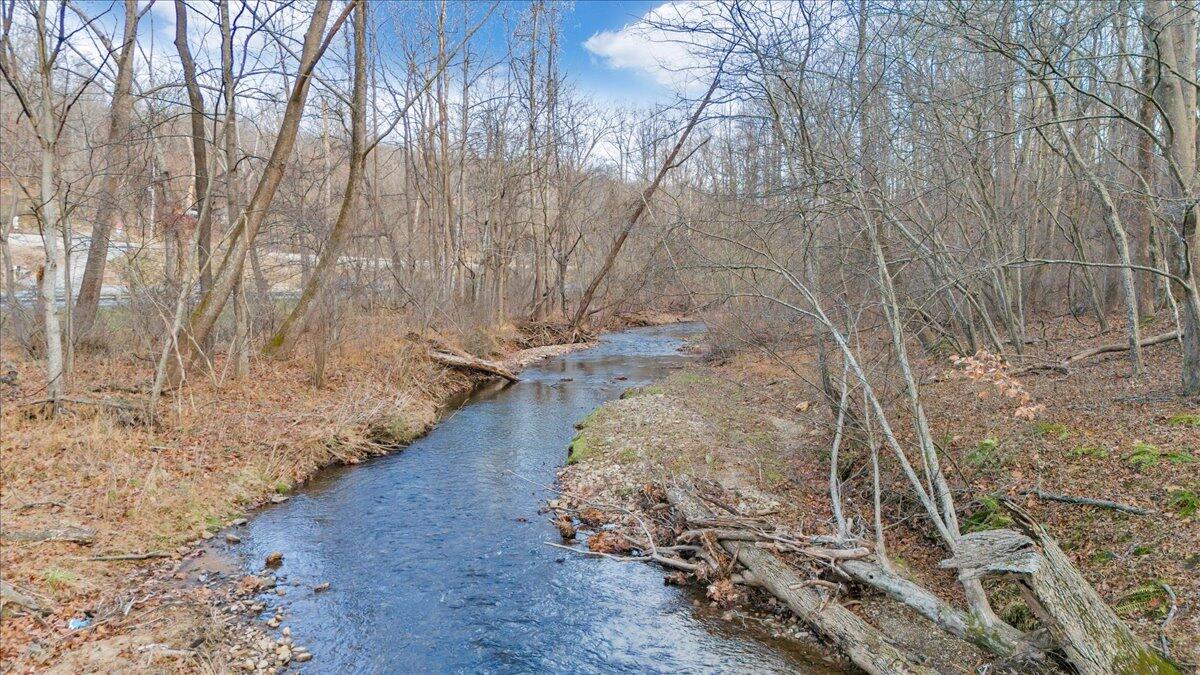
884,316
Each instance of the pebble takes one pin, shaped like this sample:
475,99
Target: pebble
280,591
206,535
321,587
302,657
232,538
273,622
239,522
287,631
274,559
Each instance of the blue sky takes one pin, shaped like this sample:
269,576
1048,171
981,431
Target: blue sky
595,74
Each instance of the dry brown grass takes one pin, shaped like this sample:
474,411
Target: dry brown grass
216,449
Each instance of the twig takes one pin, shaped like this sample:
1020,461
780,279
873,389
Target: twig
1162,630
1087,501
665,561
130,556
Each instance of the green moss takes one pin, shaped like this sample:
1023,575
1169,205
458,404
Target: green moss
986,455
986,516
1184,501
1145,661
580,449
1059,431
1144,456
1103,557
1147,455
1185,420
1090,451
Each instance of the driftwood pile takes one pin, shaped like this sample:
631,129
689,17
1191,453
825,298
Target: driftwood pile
1080,632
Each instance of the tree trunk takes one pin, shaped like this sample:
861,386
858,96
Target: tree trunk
294,325
120,110
1096,641
204,317
200,184
585,302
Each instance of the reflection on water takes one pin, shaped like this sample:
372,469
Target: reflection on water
436,557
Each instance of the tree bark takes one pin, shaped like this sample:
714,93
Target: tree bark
298,319
205,315
1096,641
120,111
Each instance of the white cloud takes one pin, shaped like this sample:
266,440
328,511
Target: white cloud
670,58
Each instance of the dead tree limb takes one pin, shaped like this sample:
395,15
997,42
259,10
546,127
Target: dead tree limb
1096,641
69,533
1088,501
1002,640
862,642
585,301
473,363
1064,365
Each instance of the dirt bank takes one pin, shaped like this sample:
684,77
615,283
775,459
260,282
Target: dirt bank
757,427
163,494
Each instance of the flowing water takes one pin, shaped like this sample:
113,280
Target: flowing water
436,555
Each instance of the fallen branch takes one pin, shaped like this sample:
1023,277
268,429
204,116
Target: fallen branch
472,363
149,555
1001,639
1088,501
862,642
1096,641
70,533
665,561
1064,365
10,594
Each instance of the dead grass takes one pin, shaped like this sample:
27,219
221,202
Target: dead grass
217,449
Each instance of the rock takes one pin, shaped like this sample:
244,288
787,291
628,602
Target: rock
287,630
183,550
280,592
274,559
302,657
248,664
321,587
278,499
232,538
238,522
206,535
273,622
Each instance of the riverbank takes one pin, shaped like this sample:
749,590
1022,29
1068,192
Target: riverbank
144,503
754,432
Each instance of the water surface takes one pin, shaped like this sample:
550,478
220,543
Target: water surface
436,556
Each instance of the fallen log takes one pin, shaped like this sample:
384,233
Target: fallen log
1096,641
1002,639
859,640
1064,365
69,533
472,363
10,594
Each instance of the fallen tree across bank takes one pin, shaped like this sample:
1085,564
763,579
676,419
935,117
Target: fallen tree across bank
860,641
